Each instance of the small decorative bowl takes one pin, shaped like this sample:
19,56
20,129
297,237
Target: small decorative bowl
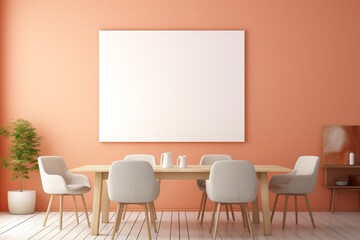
341,182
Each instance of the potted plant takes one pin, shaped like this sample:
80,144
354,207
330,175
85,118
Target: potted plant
22,159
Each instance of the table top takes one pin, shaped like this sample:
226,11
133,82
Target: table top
176,169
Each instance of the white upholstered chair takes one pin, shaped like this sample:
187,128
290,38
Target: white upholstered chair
210,159
299,182
142,157
133,182
232,182
58,181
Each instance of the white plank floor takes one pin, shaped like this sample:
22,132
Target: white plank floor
180,225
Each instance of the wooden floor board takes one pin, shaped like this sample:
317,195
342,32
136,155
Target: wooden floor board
180,225
105,230
52,229
75,230
127,225
344,224
165,227
175,230
195,230
26,226
183,226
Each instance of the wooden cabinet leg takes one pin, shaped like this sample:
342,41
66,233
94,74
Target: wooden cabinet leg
331,196
333,200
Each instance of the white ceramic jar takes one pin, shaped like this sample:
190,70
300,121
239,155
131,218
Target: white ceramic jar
351,158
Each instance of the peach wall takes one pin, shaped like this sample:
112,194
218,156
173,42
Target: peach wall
302,72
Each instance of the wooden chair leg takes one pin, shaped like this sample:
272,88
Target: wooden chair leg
201,205
147,220
285,209
121,211
296,211
255,210
248,220
218,206
152,214
48,208
61,210
85,209
213,218
308,206
203,209
125,209
232,212
75,208
152,204
274,208
227,211
117,219
243,216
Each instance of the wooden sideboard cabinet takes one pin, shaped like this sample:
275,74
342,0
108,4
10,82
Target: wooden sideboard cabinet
335,172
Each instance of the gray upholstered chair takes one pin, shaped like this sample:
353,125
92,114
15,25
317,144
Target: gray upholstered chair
232,182
142,157
133,182
299,182
209,159
58,181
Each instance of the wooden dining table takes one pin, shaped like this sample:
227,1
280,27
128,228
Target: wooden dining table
101,200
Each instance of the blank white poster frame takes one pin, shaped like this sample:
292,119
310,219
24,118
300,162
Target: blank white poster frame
171,86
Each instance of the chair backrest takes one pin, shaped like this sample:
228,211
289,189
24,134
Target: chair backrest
54,165
53,174
232,182
141,157
306,165
132,182
309,166
209,159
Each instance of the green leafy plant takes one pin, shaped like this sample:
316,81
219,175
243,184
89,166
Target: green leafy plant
23,150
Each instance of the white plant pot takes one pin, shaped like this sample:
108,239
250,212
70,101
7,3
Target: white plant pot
21,202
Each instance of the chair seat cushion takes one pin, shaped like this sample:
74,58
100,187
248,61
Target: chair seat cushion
77,189
284,189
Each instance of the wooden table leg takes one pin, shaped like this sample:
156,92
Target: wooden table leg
255,211
265,203
97,203
105,203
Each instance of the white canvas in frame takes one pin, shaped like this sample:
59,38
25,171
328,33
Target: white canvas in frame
171,86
